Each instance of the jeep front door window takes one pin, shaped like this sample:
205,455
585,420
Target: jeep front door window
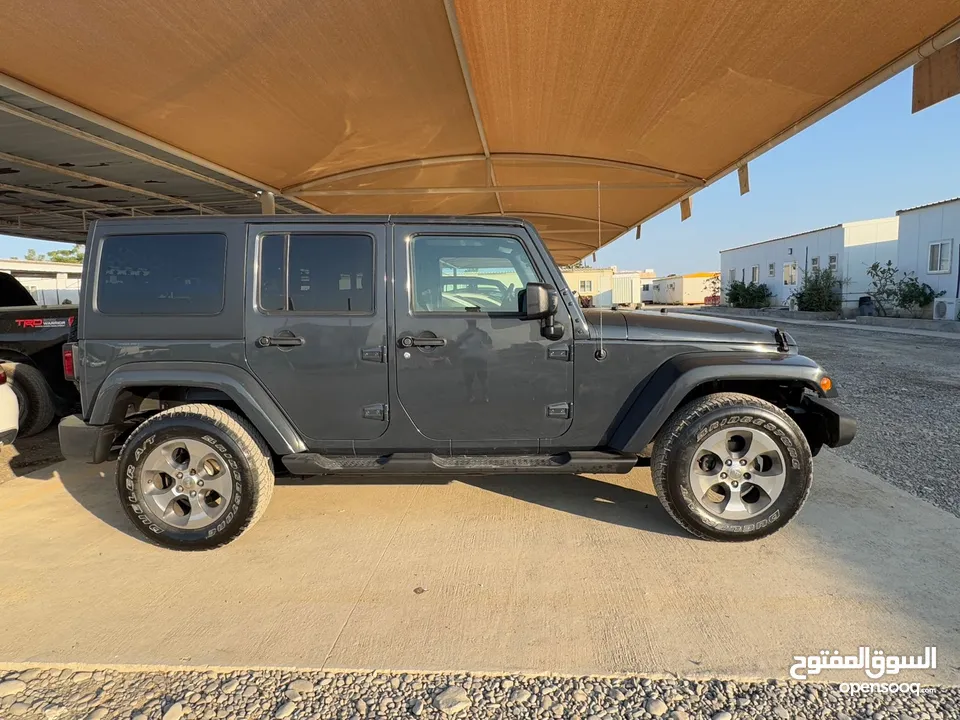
469,274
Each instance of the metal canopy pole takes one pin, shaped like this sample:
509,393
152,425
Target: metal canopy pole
268,204
533,158
468,83
484,189
57,196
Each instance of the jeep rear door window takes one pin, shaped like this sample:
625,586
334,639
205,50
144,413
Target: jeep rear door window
469,274
272,264
169,274
316,273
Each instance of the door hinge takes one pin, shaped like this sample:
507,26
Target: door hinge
559,410
561,352
380,411
373,354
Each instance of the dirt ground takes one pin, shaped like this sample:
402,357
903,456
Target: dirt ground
29,454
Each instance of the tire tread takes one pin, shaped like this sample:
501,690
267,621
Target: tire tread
686,416
244,434
35,388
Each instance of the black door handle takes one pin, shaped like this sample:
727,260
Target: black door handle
282,341
410,341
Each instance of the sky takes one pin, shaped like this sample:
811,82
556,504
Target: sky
866,160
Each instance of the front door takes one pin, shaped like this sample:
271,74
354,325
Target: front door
469,368
316,324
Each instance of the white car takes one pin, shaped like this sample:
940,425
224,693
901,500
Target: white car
9,412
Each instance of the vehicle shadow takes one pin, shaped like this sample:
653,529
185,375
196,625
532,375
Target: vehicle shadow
586,497
33,453
581,495
94,488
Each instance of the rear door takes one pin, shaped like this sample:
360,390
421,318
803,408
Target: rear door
316,326
469,369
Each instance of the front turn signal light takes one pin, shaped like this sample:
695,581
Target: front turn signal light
826,384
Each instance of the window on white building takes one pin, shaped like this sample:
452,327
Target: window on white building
815,263
586,286
772,270
938,258
833,262
755,274
790,273
646,287
733,275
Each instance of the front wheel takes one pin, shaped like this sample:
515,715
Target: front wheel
731,467
194,477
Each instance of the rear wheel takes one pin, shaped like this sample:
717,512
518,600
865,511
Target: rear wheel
194,477
731,467
34,396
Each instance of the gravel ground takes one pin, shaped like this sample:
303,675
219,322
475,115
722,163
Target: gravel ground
102,695
904,391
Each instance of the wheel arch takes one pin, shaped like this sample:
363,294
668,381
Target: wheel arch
8,354
214,383
779,379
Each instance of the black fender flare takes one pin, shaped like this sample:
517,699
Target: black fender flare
8,354
240,386
673,381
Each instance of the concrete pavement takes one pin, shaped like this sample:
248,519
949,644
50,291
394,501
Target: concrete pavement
565,574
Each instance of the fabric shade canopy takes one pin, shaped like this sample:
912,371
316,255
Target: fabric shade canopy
519,107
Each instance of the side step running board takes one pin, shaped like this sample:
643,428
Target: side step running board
592,461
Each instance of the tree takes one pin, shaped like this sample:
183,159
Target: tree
33,256
883,285
73,254
577,265
714,285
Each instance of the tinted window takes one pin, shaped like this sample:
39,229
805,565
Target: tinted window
325,273
272,291
162,274
469,274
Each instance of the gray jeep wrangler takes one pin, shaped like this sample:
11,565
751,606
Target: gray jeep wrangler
222,350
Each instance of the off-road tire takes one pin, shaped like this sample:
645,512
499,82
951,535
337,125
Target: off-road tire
34,395
226,432
682,435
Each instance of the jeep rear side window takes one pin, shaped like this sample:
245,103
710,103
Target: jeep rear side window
469,274
164,274
316,273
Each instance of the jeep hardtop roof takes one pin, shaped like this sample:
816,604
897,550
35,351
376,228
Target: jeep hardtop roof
194,220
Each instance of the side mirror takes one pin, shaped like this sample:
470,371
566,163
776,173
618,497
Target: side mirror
540,301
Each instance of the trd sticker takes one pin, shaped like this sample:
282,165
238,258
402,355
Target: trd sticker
42,322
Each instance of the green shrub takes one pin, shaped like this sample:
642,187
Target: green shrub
820,291
913,296
908,293
744,295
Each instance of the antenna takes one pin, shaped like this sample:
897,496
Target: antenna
601,353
